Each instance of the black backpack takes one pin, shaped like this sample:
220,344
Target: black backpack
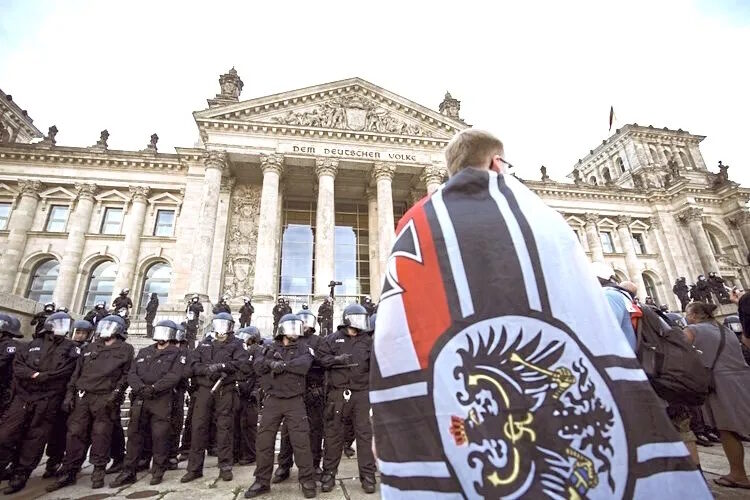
672,364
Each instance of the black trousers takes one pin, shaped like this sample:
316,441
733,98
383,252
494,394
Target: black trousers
187,429
292,412
24,432
358,409
176,421
246,429
314,405
117,447
218,407
56,441
150,417
90,423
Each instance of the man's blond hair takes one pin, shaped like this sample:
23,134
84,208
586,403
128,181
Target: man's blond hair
471,148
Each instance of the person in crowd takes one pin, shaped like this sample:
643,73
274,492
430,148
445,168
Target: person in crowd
122,301
369,306
37,321
10,332
620,300
96,314
246,419
193,313
222,306
278,312
41,371
177,417
728,406
246,312
151,308
325,317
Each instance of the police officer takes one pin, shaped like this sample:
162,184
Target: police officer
278,312
346,354
155,373
94,395
222,306
178,402
151,308
368,305
193,314
123,301
216,366
81,336
41,370
37,321
10,330
246,312
314,403
98,313
246,420
325,317
288,362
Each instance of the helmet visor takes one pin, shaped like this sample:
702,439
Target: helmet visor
180,336
308,320
6,326
222,326
60,326
291,328
80,335
107,328
359,321
164,333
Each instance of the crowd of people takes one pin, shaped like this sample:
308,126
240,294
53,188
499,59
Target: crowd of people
63,391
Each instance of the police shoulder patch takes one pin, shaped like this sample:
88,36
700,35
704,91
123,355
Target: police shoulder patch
35,349
340,340
183,359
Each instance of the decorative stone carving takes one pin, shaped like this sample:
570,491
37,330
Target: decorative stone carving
85,191
215,159
351,112
691,214
4,133
272,161
227,184
383,170
326,166
231,85
450,107
139,193
739,218
624,221
543,171
591,218
103,138
49,139
433,174
723,176
577,180
152,143
243,237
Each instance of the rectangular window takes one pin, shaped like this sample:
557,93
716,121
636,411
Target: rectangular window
607,244
4,215
164,223
638,243
112,221
58,218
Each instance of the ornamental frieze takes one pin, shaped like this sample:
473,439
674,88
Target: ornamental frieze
239,272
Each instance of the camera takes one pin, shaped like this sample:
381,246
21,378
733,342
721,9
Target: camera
335,283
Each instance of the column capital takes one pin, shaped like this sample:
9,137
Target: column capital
139,193
271,162
383,170
215,159
739,218
591,218
326,166
433,174
29,187
624,221
85,191
691,214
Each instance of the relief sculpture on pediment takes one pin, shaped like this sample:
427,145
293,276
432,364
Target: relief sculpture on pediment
352,112
239,270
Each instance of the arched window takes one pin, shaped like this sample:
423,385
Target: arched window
620,165
651,290
100,285
43,281
592,180
156,281
607,176
714,242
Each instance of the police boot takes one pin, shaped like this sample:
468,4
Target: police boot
226,474
327,482
66,479
191,476
309,489
368,485
115,467
172,464
156,477
256,489
281,474
16,483
125,477
348,451
143,464
97,477
52,469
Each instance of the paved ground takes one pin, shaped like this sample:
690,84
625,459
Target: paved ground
210,487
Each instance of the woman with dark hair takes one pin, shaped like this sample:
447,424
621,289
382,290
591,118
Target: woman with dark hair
727,408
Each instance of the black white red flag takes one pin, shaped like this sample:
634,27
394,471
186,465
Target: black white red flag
499,370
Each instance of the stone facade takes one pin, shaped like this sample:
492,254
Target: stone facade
643,200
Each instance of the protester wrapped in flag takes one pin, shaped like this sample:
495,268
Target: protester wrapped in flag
499,370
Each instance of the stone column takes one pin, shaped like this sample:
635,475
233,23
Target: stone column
432,176
666,261
131,247
696,156
19,225
592,236
372,232
383,174
742,221
215,163
631,259
693,217
268,227
77,228
325,225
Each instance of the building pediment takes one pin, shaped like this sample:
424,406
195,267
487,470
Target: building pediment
352,105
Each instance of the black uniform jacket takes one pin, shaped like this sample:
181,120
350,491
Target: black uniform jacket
230,352
54,358
316,377
121,302
9,346
246,312
222,307
161,368
102,369
360,347
247,383
290,382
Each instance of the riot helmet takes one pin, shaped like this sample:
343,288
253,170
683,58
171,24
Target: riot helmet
249,335
62,309
49,307
58,324
733,323
125,291
222,325
180,335
246,300
82,331
9,325
355,316
111,326
305,306
165,330
308,319
99,305
290,326
195,298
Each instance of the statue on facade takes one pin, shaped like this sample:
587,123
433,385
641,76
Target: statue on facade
723,176
545,177
4,133
682,291
638,181
103,137
450,107
718,287
231,85
700,291
152,142
577,177
674,169
49,139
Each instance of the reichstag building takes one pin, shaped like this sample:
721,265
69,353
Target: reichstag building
291,191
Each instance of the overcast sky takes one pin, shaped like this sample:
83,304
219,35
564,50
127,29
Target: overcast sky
541,75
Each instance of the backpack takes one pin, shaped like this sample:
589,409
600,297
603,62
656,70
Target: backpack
672,364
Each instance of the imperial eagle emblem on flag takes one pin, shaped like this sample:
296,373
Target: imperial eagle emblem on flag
499,371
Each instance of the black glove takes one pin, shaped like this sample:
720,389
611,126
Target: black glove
215,367
68,403
277,367
342,359
148,392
